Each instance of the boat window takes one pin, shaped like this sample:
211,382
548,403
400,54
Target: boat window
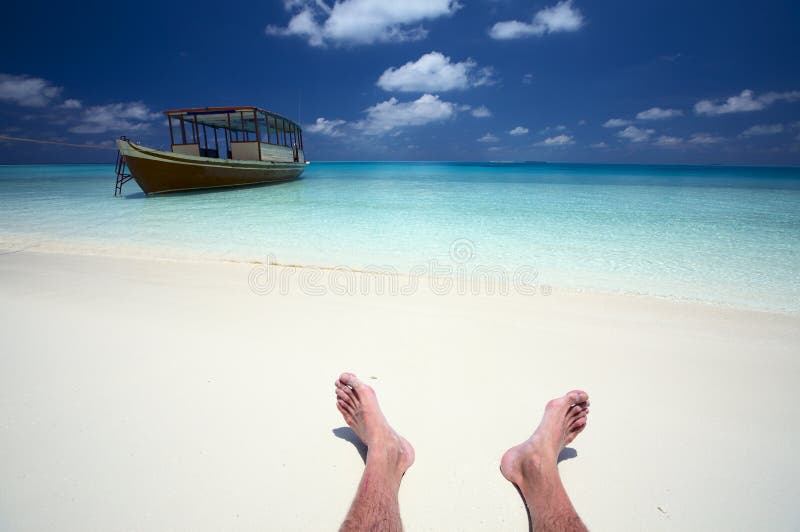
273,130
186,133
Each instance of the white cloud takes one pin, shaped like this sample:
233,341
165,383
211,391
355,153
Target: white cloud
71,103
488,138
744,102
560,140
361,21
705,138
392,114
481,112
435,72
326,127
527,79
122,117
519,130
617,122
735,104
635,134
657,113
551,129
763,129
667,141
560,17
772,97
598,145
27,91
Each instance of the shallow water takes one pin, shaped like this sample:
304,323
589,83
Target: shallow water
713,234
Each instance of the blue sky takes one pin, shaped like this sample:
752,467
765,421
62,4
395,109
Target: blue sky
576,81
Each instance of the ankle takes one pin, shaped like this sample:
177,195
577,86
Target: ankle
537,465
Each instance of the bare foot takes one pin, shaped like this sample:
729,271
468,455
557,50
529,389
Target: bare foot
359,406
564,418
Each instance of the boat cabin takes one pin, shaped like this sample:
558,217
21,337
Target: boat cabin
240,133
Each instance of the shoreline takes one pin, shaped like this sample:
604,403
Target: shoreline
13,244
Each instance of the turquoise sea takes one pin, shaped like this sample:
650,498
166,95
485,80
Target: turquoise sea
722,235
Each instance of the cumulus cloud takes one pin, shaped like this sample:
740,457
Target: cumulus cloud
27,91
519,130
330,128
434,72
763,129
354,22
560,17
705,138
667,141
598,145
744,102
560,140
391,114
657,113
635,134
481,112
488,138
617,122
128,116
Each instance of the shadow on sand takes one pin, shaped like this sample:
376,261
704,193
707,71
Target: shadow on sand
347,434
567,453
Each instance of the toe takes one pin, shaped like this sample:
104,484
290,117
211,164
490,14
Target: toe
577,396
349,379
575,410
345,408
578,423
343,395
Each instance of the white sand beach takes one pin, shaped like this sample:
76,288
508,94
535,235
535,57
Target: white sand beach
165,395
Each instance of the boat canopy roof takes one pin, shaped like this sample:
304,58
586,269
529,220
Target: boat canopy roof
241,118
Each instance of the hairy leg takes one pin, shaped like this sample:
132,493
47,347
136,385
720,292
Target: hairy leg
532,466
389,455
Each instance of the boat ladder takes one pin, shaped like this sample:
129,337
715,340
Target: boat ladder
123,175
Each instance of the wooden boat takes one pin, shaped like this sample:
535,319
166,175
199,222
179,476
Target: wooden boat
257,147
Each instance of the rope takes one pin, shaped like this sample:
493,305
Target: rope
35,141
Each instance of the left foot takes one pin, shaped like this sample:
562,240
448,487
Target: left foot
359,406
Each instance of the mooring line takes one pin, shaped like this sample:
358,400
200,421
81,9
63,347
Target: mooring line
37,141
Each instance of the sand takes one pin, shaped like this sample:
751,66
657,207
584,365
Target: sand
166,395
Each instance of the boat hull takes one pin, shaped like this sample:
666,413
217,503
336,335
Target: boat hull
158,172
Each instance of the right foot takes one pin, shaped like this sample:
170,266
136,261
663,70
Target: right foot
564,418
359,406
